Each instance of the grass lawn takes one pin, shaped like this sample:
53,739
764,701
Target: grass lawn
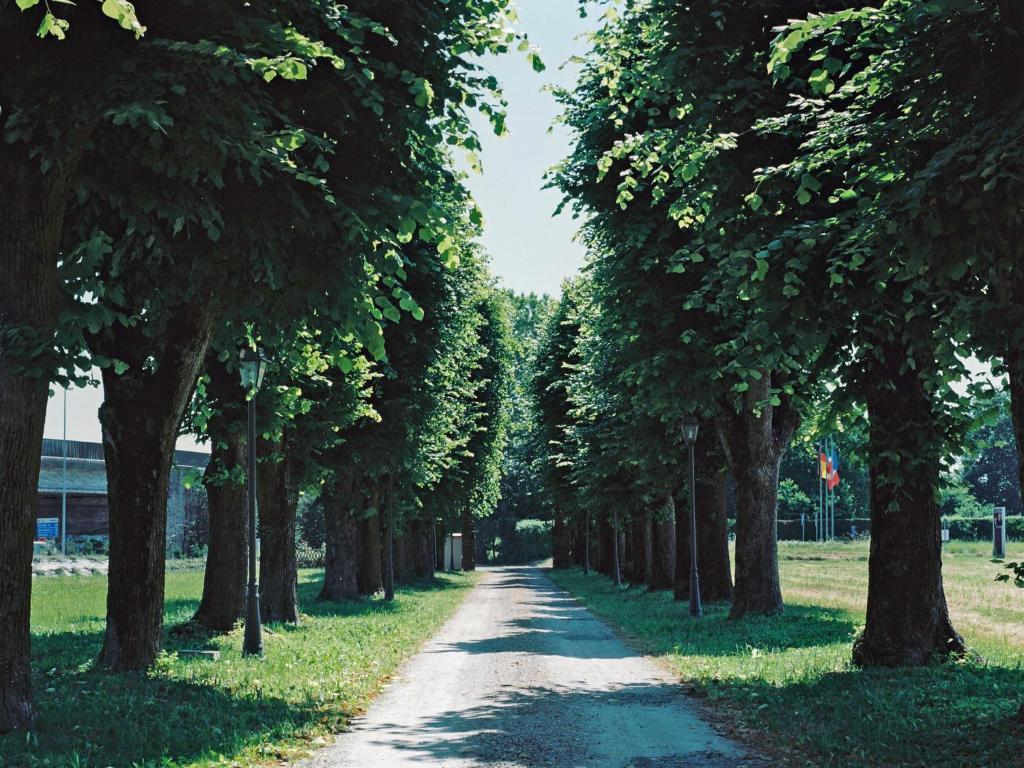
233,711
786,683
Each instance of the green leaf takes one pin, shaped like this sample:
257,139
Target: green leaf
26,4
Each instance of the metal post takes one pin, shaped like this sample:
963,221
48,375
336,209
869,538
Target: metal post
252,644
64,490
696,609
821,497
829,496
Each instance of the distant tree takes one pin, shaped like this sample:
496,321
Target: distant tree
991,467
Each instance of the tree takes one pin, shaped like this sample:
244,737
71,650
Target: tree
217,164
42,147
673,241
991,469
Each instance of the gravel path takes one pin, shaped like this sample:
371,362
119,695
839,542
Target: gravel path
522,677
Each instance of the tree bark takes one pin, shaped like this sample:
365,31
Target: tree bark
388,532
278,500
370,582
907,621
712,530
439,539
227,544
606,546
420,550
226,558
561,556
586,544
32,207
643,531
616,550
341,528
755,440
140,416
663,544
468,541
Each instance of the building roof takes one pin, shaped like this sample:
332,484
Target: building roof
78,449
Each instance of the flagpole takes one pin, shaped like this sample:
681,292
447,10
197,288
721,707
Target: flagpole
831,488
821,497
835,470
828,492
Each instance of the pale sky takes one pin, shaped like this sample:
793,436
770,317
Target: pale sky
531,250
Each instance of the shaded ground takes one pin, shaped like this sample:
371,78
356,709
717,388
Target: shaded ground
521,677
193,713
786,683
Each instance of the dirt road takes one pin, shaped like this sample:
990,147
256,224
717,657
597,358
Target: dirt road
522,677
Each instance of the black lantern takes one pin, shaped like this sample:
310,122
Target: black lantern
690,427
252,364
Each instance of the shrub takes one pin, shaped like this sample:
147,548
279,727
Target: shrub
310,520
531,542
309,557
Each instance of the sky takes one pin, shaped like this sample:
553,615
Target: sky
531,250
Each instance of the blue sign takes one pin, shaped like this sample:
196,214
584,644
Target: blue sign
46,528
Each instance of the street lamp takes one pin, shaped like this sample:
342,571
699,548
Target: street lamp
252,364
690,427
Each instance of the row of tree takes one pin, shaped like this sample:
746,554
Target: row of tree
179,181
795,212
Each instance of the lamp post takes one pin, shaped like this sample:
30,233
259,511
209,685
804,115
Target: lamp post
252,364
690,426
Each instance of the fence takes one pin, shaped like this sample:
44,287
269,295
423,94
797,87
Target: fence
960,528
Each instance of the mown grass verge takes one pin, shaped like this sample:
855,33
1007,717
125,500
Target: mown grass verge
234,711
785,684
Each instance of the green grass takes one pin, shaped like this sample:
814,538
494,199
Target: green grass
233,711
785,684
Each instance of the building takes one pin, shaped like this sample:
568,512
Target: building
85,483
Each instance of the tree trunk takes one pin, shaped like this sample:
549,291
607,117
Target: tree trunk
754,441
370,582
401,558
140,416
228,547
606,546
227,544
468,541
712,530
643,532
421,550
561,556
278,499
388,532
586,545
31,219
616,550
663,544
907,619
439,539
341,528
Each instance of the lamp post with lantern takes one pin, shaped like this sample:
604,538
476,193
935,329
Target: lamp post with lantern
252,364
690,427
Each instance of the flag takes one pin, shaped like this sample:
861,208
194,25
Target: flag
823,465
833,469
